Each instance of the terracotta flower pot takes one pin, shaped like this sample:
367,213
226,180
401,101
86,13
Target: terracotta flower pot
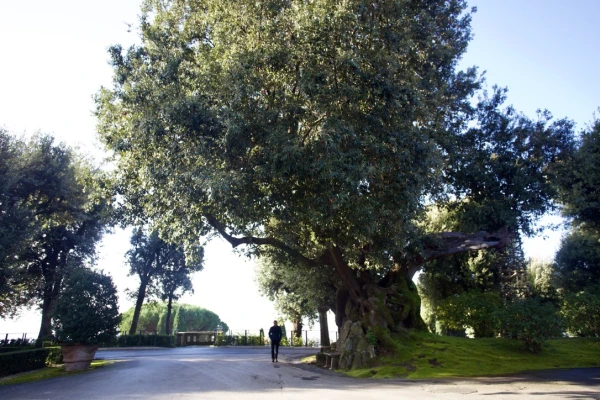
78,357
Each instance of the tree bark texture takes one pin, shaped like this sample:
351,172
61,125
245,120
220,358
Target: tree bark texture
52,281
369,310
141,295
324,326
297,327
169,309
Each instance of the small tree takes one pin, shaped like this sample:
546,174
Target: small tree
86,311
531,321
473,309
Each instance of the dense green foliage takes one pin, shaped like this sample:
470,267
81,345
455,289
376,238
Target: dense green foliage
446,279
578,260
531,321
471,309
504,168
581,312
323,116
55,355
55,207
86,311
186,318
21,361
579,182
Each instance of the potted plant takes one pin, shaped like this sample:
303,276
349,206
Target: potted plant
85,315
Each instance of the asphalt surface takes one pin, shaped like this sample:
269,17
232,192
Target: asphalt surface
248,373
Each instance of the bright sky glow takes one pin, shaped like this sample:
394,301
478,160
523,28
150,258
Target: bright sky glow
54,59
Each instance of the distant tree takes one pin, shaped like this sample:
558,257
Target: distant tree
578,258
174,280
299,292
544,279
161,267
186,318
143,262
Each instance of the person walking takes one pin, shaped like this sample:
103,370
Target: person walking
275,335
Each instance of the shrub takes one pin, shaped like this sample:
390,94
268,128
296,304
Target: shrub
581,312
55,355
530,321
474,309
22,361
86,311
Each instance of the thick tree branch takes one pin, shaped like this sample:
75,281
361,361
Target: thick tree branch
237,241
448,243
445,244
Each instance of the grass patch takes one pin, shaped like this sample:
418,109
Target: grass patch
309,360
47,373
424,355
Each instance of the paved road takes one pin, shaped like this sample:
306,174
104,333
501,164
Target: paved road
248,373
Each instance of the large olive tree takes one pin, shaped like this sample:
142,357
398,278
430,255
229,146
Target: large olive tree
320,129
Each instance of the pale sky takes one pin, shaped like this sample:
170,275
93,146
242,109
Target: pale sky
53,59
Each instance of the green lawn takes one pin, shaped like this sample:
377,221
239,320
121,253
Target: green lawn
423,355
46,373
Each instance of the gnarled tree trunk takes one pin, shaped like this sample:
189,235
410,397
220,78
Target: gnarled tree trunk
369,310
297,327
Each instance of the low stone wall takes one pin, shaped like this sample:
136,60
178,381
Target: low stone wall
195,338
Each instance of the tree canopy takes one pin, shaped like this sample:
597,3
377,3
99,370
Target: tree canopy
579,183
323,130
55,208
300,124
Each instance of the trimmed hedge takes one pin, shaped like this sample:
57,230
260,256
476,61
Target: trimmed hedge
22,361
145,340
13,349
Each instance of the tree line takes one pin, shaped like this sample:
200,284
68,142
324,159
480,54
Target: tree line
55,207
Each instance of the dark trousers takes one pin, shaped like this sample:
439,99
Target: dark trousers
274,348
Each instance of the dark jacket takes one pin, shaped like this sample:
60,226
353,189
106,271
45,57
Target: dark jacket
275,333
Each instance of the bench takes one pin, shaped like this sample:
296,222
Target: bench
332,360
